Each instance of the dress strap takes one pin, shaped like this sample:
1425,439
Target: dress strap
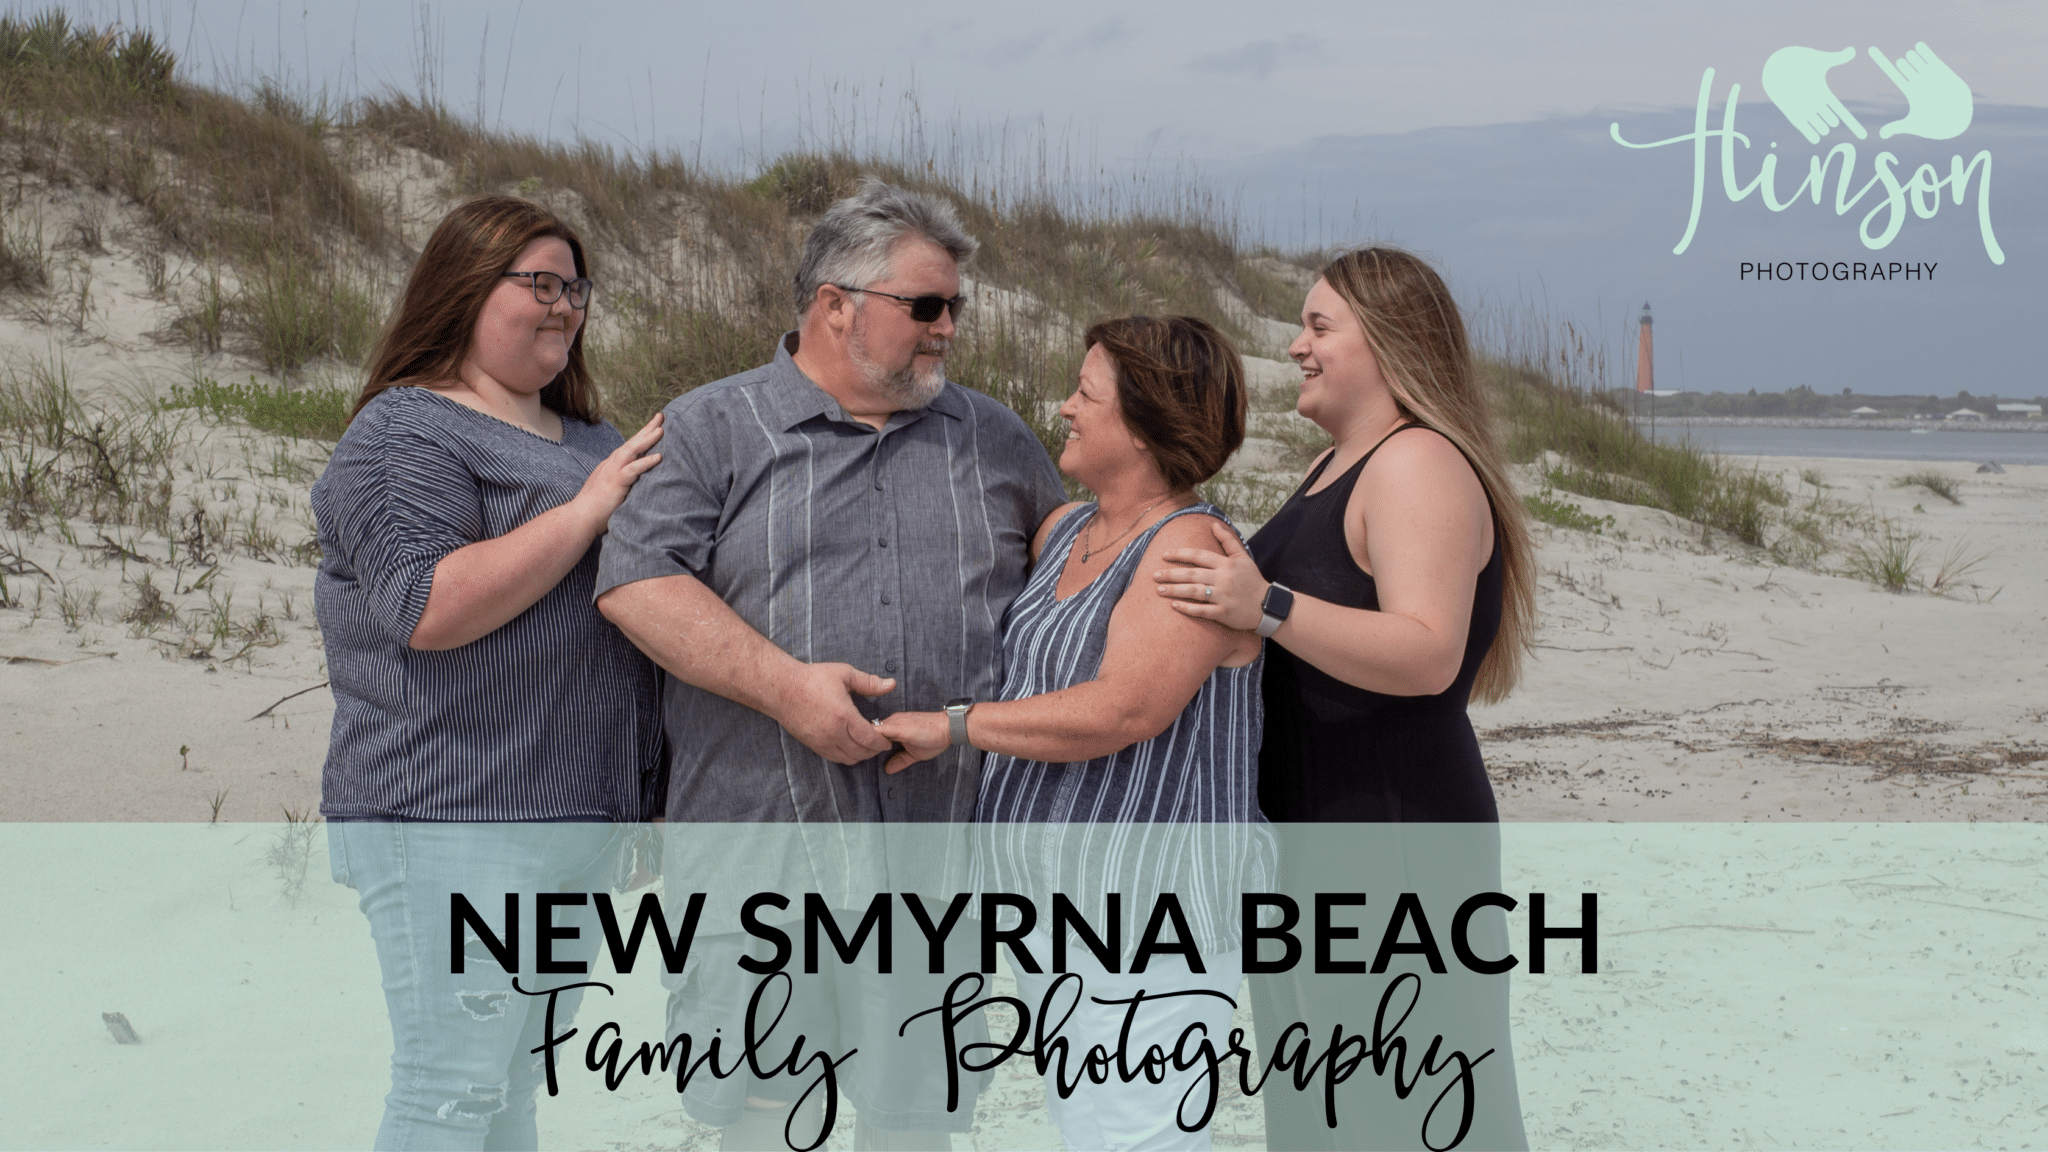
1135,549
1401,427
1352,473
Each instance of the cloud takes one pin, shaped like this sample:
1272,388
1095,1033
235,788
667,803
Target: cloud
1017,49
1258,58
1108,34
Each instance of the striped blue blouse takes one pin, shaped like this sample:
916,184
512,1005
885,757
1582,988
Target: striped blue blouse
554,716
1177,813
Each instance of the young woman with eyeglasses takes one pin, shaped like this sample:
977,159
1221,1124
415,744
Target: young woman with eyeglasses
492,732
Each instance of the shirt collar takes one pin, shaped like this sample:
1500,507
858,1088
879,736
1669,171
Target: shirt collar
794,398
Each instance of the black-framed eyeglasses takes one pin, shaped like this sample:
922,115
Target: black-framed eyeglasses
923,309
548,288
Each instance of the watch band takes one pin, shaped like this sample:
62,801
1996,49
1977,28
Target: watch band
1278,603
956,719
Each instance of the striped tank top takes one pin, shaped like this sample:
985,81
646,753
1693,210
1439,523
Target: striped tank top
1177,813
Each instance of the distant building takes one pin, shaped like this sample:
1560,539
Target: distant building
1646,373
2019,412
1865,412
1965,414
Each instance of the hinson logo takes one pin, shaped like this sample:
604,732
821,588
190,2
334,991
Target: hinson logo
1938,107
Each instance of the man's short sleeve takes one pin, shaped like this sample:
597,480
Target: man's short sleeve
398,502
1048,492
670,519
1029,463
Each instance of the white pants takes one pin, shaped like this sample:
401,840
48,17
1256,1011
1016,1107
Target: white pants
1134,1114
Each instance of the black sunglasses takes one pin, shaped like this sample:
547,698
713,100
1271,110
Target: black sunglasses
548,288
923,309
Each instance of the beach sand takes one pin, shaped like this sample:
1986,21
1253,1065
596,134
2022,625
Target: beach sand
1676,680
1673,680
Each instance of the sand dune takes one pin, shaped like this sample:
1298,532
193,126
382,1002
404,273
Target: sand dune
1682,681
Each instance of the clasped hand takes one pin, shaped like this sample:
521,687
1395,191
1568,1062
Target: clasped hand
816,706
922,734
1224,586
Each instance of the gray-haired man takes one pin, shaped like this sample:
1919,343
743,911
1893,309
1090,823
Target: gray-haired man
828,539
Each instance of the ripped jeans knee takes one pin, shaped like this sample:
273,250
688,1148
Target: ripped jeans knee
484,1005
480,1102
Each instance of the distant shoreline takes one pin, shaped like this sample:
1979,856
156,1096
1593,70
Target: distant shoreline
1848,422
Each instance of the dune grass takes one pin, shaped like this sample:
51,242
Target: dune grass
1603,456
61,461
1942,486
670,329
1891,558
24,250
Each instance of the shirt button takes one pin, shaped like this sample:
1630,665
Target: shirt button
889,666
882,541
885,597
892,793
878,482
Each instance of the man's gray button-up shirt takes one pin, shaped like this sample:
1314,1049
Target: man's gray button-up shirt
894,550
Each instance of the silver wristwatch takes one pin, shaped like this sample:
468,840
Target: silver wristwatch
956,719
1273,612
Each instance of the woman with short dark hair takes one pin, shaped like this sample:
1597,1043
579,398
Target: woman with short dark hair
1123,743
491,730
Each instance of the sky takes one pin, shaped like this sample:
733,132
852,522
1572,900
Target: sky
1477,133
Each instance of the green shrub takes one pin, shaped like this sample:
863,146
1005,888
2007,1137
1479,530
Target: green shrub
1607,459
1549,509
312,413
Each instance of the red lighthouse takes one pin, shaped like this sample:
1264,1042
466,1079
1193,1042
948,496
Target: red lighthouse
1646,376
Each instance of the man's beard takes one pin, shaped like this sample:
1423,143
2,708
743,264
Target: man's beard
909,386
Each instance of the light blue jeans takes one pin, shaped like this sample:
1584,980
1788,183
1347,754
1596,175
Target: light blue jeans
463,1073
1135,1114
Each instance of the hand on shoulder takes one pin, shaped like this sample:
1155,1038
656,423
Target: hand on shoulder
1228,579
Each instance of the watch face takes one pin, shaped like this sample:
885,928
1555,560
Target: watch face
1279,601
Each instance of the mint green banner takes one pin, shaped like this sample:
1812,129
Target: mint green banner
1869,986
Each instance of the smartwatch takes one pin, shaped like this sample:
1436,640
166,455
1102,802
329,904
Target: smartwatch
1274,609
956,719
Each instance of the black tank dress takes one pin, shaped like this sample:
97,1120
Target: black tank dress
1334,757
1334,752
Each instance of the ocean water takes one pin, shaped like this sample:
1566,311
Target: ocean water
1862,444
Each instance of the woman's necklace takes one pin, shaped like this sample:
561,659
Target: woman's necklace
1089,550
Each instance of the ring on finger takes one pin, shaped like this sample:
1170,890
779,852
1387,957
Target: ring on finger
1208,592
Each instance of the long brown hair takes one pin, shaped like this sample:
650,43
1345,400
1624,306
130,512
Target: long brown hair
464,262
1419,340
1181,386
